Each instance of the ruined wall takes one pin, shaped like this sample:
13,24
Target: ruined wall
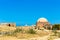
8,25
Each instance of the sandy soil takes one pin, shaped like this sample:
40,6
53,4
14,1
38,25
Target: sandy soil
57,39
14,38
37,38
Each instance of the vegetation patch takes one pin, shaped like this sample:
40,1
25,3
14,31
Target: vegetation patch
31,31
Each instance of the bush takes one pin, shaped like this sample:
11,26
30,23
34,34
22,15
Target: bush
31,31
56,27
55,32
13,33
8,33
17,30
50,38
59,34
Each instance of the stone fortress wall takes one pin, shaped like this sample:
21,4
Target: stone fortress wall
8,24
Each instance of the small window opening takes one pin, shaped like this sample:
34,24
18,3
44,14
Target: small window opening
9,25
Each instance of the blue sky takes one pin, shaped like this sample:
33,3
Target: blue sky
29,11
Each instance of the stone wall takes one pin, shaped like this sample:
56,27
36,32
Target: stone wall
8,24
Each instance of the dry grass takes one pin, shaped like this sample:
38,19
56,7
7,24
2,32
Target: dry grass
8,38
21,35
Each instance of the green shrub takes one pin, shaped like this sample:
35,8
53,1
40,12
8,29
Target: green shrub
55,32
13,33
50,38
31,31
56,27
8,33
17,30
59,34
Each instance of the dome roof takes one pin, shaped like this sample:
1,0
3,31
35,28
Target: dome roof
42,20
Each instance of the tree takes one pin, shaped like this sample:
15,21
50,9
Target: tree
56,27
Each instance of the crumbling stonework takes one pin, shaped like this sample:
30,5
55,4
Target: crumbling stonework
43,23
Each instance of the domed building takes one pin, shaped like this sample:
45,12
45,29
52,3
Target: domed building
43,23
